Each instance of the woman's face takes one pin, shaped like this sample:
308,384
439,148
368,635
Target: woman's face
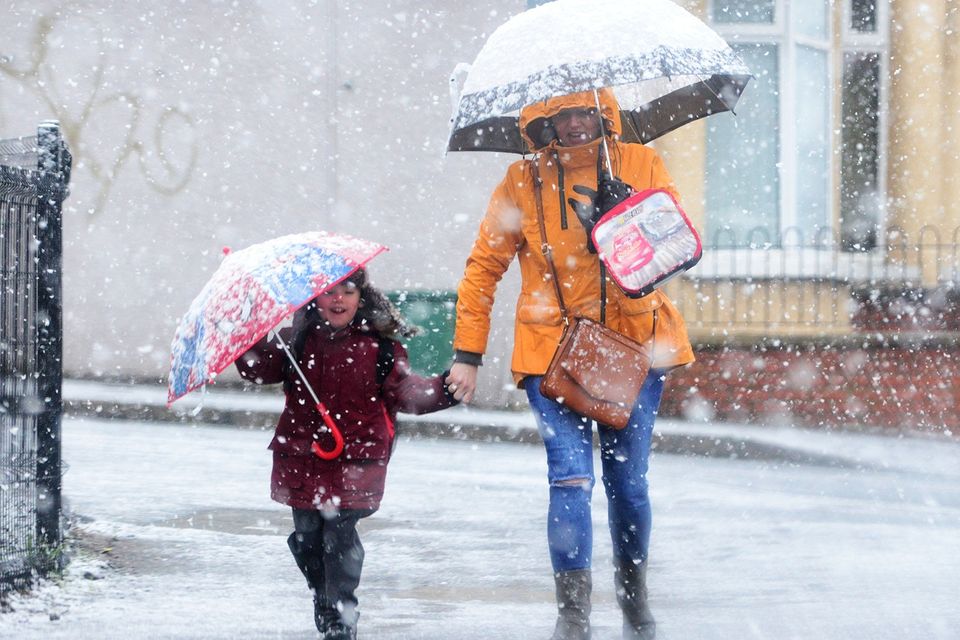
339,305
576,126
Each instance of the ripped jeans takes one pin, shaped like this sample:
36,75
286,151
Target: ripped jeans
624,454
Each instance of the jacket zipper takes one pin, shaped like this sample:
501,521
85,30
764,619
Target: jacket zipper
563,197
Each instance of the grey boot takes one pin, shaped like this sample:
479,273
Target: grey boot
631,583
573,605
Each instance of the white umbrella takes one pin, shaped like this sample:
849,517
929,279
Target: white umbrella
669,69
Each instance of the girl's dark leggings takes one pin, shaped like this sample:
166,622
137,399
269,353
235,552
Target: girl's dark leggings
328,551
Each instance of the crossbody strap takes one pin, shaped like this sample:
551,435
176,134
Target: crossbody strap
548,252
544,245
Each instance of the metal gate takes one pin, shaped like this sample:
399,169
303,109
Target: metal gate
34,173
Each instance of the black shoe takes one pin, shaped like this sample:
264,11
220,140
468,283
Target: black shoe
338,630
324,614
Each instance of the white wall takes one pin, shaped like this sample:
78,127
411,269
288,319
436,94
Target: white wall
201,125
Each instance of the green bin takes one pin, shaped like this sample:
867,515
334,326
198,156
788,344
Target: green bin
434,311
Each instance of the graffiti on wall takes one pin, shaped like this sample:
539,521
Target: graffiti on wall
108,130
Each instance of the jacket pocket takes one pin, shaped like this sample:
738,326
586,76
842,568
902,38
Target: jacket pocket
291,445
289,470
538,310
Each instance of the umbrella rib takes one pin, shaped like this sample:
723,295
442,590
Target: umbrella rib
715,94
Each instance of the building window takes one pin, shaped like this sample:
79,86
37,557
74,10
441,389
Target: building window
771,171
742,181
863,16
862,125
861,201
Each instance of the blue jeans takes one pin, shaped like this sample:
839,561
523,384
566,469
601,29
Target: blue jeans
624,454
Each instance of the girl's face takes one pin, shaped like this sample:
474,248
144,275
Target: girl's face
339,305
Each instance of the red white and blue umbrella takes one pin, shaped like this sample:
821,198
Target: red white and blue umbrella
253,291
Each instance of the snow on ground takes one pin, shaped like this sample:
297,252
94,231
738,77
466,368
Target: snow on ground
178,539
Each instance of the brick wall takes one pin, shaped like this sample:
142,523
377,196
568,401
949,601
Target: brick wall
899,385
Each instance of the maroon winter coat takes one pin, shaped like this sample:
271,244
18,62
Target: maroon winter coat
341,368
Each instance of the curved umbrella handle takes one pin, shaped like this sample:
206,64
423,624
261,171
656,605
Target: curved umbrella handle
334,431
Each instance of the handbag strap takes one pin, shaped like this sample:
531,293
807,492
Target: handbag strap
653,335
548,252
544,245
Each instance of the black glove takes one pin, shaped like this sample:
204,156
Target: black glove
611,192
588,213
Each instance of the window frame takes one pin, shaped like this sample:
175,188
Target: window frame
838,43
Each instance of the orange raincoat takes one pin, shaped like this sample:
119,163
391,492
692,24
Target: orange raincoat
510,229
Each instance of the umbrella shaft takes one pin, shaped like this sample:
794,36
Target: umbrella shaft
603,134
324,413
299,371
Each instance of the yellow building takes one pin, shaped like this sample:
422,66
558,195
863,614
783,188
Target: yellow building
827,205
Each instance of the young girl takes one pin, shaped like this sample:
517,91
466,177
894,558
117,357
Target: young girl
345,344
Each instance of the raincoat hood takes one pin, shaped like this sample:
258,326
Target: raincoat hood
535,118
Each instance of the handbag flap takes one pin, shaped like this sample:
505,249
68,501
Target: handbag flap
607,365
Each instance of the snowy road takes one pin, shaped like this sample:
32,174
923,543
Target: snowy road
740,549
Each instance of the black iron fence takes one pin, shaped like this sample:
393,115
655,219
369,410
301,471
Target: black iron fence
34,173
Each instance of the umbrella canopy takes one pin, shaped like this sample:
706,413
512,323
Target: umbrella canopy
669,69
251,292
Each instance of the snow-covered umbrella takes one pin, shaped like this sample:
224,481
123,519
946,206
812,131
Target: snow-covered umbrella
668,67
253,291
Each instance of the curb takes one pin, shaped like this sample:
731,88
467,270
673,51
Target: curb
477,426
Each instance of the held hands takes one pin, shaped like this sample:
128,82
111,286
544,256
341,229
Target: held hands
462,381
610,192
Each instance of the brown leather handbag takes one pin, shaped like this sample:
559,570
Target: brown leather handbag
596,371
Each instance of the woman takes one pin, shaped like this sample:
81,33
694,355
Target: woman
566,134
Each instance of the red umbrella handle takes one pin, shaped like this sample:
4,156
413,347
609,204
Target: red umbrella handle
334,431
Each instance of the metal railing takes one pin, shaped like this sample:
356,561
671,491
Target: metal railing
34,173
796,285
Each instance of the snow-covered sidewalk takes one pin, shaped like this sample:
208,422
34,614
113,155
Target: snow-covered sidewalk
179,540
258,407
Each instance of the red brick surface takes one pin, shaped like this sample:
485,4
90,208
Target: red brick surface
893,387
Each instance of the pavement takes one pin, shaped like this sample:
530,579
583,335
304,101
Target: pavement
174,536
761,532
258,408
